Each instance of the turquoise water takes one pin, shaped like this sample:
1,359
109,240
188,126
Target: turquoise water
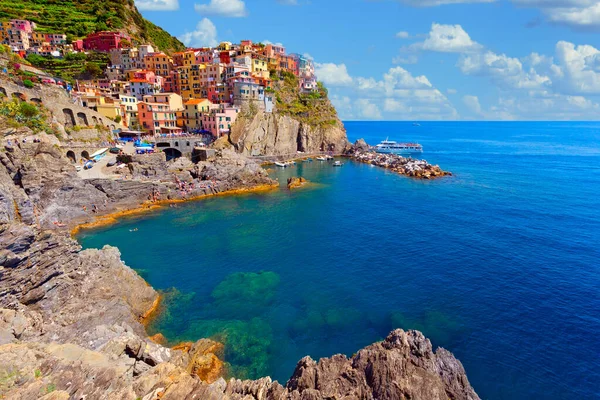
499,264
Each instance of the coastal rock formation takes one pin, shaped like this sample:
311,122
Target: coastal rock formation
419,169
71,321
293,183
273,134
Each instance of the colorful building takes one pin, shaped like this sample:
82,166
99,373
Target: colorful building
219,120
191,117
105,41
172,100
141,87
157,118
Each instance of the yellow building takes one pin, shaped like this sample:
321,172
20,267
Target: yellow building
173,100
191,117
225,46
189,81
159,63
260,68
184,58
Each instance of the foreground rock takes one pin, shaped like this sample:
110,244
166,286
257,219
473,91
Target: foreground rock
403,366
419,169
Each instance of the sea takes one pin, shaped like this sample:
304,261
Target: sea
500,263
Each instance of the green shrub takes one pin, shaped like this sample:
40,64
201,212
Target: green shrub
28,84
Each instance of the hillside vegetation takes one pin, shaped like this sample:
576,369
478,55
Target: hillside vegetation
313,108
78,18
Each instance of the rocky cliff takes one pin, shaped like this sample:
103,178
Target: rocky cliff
71,321
276,134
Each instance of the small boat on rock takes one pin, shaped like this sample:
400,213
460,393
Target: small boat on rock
280,164
321,159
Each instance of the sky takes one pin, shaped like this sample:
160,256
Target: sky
420,59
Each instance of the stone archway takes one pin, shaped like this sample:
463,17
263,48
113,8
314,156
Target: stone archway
3,91
69,118
71,156
36,100
85,154
172,153
82,119
19,96
94,120
112,128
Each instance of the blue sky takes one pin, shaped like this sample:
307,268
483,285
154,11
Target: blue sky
421,59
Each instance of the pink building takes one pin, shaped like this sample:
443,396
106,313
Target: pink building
157,118
204,56
22,25
145,75
219,120
77,45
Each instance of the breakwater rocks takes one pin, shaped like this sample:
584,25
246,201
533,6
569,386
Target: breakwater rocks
419,169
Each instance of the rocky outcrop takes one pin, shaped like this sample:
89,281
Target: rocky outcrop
403,366
71,320
293,183
274,134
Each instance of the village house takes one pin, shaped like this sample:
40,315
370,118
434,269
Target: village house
105,41
157,119
190,118
219,120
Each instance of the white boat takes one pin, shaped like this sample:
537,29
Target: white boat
280,164
391,147
321,159
337,164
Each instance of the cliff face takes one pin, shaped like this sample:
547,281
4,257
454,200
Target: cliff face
276,134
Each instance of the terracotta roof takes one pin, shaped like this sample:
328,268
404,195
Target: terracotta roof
193,102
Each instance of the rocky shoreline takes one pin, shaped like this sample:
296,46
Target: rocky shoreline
418,169
72,321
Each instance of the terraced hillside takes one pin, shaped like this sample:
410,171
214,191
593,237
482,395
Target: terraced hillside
77,18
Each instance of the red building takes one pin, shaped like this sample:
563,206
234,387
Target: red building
224,57
105,41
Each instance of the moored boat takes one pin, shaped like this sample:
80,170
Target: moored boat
321,159
392,147
280,164
337,164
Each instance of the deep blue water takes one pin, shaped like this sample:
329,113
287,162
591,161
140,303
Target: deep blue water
500,264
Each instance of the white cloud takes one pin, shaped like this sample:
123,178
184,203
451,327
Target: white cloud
472,103
410,59
582,17
402,35
366,109
451,91
448,39
506,71
577,69
157,5
333,74
204,35
223,8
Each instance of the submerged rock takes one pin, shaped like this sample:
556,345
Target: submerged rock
293,183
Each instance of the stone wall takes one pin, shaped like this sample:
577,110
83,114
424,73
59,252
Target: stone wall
64,110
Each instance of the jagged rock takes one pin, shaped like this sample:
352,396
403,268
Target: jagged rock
293,183
204,360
